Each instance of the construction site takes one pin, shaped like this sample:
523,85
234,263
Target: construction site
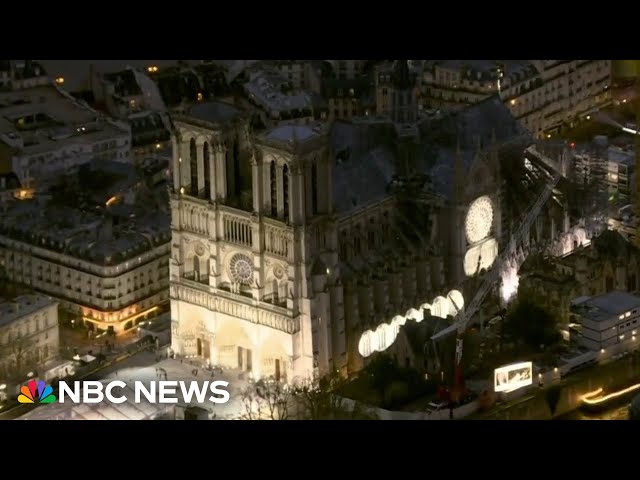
580,190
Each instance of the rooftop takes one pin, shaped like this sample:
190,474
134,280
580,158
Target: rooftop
487,69
605,306
124,82
214,112
290,133
418,334
295,138
12,310
93,237
44,118
271,90
366,164
363,179
73,217
149,127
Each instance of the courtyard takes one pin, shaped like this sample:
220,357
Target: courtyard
145,367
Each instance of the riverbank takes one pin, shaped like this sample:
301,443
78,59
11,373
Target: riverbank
536,405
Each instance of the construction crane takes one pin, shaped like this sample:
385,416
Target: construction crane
492,277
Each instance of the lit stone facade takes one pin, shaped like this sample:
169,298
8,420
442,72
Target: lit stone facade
29,335
291,244
280,276
112,297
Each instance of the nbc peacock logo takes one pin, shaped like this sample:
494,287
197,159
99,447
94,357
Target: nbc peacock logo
36,392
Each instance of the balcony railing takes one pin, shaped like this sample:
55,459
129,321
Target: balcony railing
197,277
236,227
278,239
234,305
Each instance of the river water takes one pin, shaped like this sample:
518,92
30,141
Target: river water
615,413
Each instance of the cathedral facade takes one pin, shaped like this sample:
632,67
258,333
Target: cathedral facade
302,250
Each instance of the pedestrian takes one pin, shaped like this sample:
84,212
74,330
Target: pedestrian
116,373
451,413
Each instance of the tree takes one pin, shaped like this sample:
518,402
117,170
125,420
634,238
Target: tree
267,397
252,403
381,372
17,352
530,324
276,397
318,398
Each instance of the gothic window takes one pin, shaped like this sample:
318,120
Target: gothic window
207,170
241,269
237,179
193,162
274,189
285,191
343,245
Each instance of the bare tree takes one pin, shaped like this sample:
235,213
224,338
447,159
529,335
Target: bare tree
277,397
319,399
17,352
252,403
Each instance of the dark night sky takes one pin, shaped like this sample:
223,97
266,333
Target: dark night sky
76,72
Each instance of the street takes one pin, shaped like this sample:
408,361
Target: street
619,412
622,371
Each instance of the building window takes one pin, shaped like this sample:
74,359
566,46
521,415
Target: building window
285,191
274,189
193,162
207,170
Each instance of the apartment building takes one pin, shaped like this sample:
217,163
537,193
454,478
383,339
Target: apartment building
102,253
44,130
544,95
29,336
607,320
